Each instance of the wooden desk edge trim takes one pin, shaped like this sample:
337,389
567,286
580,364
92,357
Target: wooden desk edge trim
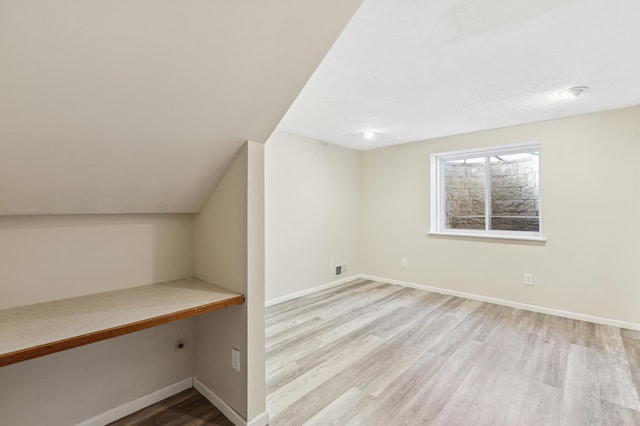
108,333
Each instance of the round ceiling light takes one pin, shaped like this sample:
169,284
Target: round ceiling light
369,134
573,92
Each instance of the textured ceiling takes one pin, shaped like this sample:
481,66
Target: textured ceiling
415,70
138,106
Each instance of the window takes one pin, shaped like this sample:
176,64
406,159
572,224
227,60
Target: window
491,192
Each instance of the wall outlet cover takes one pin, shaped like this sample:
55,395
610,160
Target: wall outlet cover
528,279
235,359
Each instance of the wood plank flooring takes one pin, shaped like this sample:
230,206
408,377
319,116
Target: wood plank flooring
187,408
368,353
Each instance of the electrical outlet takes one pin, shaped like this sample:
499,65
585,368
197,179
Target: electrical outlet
404,263
330,263
528,279
235,359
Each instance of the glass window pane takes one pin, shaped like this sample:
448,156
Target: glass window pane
464,182
515,192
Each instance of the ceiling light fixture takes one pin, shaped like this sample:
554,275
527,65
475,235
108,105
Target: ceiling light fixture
369,134
573,92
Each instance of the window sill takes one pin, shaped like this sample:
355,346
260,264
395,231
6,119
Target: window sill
487,236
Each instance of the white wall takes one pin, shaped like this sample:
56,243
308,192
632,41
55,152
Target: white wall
229,251
220,257
69,387
140,106
312,212
256,371
590,208
52,257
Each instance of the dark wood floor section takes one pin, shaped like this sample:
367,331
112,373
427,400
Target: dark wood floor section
368,353
187,408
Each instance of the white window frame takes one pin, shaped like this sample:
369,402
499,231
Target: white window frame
438,214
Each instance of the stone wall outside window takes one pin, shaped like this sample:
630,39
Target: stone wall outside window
514,195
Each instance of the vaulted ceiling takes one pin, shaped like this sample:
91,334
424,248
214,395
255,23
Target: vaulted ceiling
138,106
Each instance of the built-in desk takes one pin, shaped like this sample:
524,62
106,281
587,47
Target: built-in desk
32,331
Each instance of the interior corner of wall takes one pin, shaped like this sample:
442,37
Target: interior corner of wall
219,230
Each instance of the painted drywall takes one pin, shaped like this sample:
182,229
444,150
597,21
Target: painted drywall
220,230
590,205
52,257
228,252
140,106
220,257
69,387
312,212
256,359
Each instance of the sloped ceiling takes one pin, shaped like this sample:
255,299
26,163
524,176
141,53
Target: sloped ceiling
138,106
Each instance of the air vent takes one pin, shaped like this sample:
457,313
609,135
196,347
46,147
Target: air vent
341,270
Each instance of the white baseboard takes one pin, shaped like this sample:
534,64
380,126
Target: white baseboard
261,420
138,404
304,292
517,305
236,419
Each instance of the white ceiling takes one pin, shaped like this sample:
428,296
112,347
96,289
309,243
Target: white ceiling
138,106
415,70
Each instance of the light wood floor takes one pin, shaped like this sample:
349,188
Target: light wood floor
368,353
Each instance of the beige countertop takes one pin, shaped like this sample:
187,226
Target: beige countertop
35,330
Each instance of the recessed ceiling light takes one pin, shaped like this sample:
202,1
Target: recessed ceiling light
369,134
573,92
